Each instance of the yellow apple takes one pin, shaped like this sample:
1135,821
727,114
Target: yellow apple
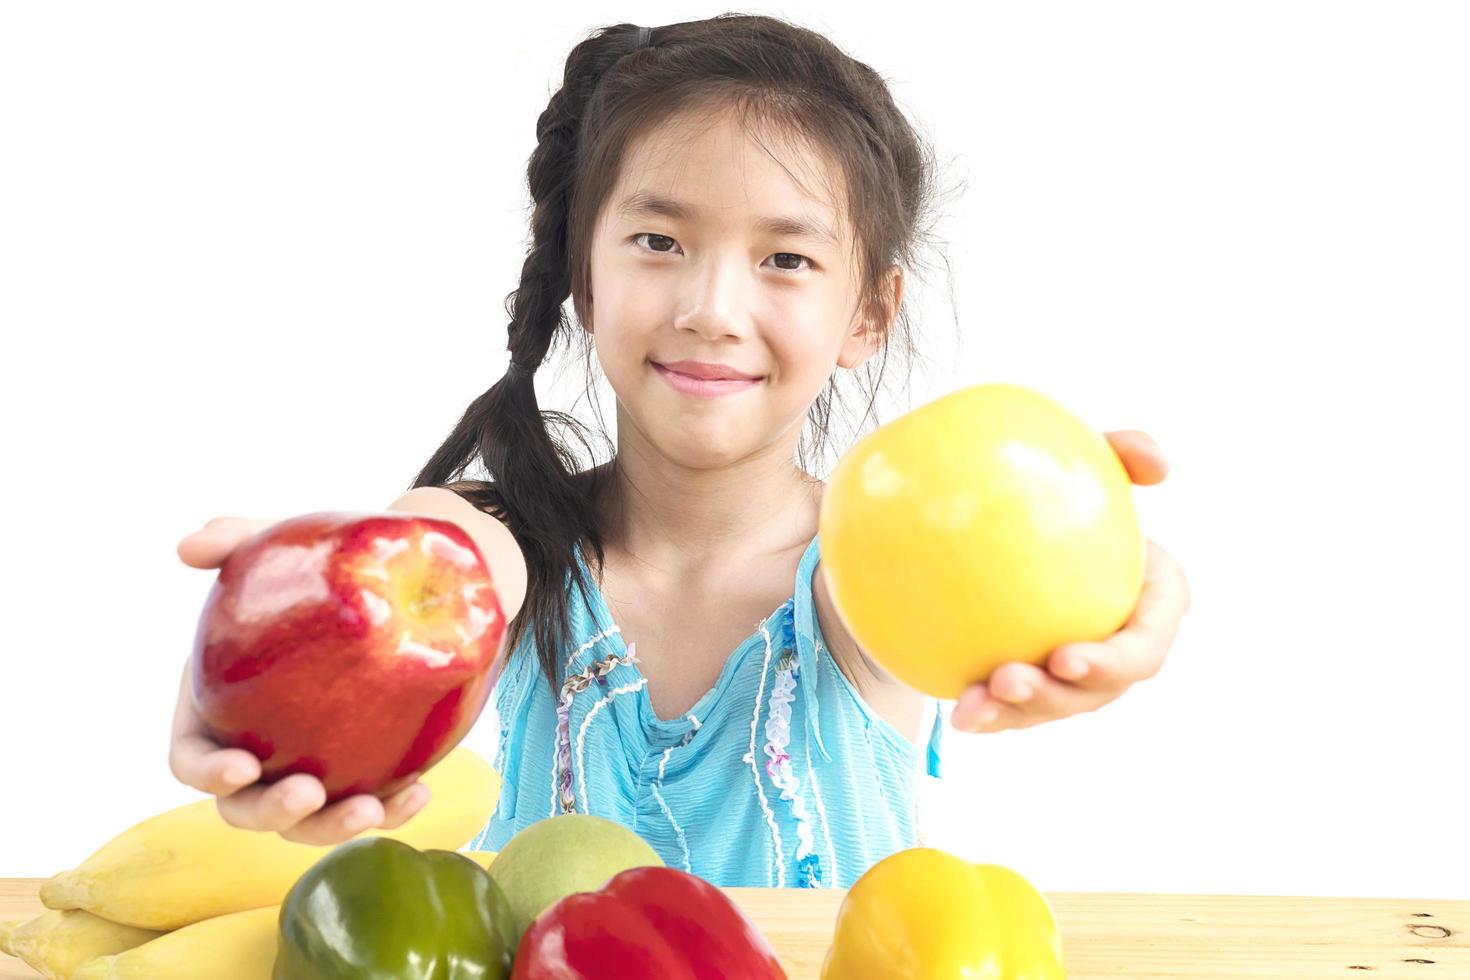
988,526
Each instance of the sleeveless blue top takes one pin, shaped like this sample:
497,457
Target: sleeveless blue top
779,777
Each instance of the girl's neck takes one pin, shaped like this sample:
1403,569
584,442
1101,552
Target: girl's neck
670,516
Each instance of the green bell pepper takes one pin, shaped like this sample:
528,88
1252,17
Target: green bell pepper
377,907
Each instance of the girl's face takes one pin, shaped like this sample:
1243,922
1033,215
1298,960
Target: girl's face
701,272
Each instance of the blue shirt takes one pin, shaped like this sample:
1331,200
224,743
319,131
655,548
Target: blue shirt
780,776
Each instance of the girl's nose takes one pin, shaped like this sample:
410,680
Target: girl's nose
714,304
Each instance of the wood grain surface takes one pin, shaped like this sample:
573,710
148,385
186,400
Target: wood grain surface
1124,935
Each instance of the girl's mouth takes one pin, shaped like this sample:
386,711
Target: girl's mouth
700,387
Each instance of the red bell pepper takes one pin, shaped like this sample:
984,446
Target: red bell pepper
646,922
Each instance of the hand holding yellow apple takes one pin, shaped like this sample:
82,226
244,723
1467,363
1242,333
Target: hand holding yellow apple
989,536
1081,677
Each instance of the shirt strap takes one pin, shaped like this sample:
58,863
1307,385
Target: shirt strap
932,755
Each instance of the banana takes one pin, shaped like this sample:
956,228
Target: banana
55,943
237,946
187,865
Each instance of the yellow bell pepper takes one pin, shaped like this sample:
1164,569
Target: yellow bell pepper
925,914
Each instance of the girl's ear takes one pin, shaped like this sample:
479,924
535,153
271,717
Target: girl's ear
867,337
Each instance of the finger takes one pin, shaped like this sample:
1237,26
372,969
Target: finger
1141,456
977,710
1082,664
273,806
1098,667
1140,646
339,822
399,807
211,545
197,760
1034,696
1164,572
1017,683
1138,649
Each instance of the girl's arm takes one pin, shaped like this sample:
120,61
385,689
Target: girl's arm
894,701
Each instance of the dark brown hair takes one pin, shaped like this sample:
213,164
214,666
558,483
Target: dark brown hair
789,81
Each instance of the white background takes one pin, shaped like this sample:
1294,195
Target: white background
253,260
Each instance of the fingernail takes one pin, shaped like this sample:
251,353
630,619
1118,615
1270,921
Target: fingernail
1022,692
986,715
237,775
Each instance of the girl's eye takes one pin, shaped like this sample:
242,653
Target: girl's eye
652,237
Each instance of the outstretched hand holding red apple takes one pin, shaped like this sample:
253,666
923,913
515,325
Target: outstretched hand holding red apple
292,807
338,657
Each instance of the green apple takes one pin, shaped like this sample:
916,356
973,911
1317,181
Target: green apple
563,855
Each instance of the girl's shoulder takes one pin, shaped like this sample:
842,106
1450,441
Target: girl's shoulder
481,495
469,506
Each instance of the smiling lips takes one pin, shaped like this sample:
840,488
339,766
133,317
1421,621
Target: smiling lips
705,380
706,371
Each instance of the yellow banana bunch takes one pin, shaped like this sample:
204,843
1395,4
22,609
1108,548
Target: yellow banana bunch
187,865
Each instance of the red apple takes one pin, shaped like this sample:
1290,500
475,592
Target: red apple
359,648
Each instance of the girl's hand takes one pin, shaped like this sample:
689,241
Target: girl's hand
292,807
1086,676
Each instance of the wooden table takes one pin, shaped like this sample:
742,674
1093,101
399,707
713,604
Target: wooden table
1124,935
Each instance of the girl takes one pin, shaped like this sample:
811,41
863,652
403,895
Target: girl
730,205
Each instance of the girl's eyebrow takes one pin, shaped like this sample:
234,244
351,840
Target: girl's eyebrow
642,203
